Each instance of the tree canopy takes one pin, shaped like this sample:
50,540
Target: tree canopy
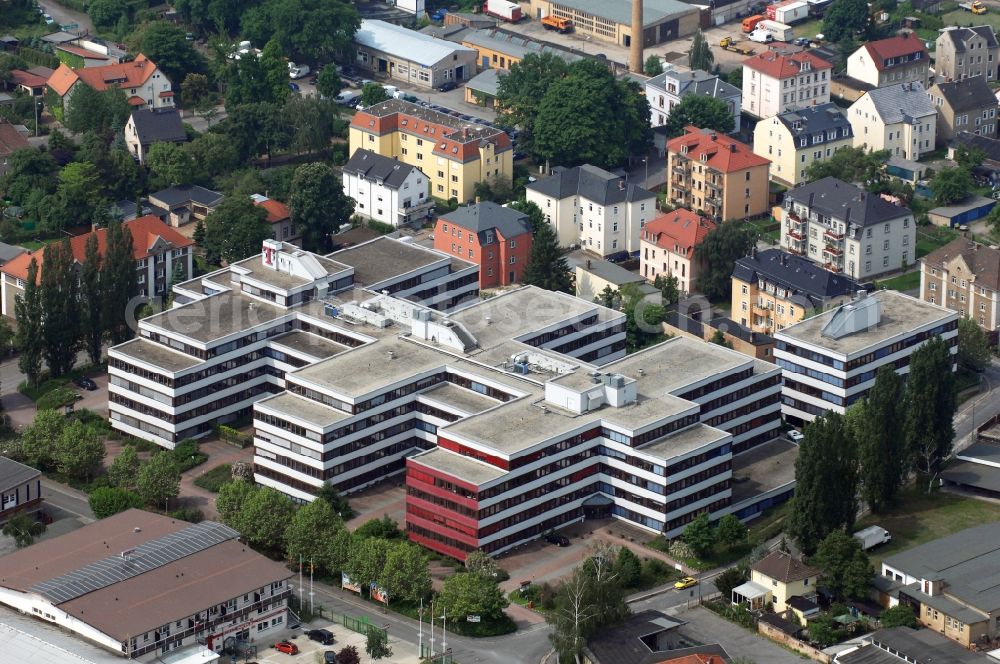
951,185
718,252
701,111
852,165
930,405
235,230
876,427
973,345
700,54
165,44
845,19
318,205
846,570
520,92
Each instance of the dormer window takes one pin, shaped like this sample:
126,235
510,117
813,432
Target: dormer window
806,65
684,149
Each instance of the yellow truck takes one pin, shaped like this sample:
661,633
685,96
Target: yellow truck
976,7
730,44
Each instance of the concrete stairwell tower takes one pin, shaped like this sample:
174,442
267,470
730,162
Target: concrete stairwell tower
635,54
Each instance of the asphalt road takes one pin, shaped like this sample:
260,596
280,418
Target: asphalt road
66,499
977,410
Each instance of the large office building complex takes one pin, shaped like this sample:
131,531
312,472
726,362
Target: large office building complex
234,333
829,361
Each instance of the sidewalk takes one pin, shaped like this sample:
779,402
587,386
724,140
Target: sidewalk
219,452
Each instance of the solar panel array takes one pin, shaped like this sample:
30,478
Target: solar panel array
144,558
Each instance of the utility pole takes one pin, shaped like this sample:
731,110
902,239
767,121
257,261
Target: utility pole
311,568
420,630
432,628
444,632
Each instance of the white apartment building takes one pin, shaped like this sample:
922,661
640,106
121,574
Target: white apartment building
899,118
846,229
386,190
666,90
593,208
829,361
233,334
145,586
778,81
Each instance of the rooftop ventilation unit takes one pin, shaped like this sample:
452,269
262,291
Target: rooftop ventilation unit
860,315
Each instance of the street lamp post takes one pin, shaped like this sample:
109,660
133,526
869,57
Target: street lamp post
645,161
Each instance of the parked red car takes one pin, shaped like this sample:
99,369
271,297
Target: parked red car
287,647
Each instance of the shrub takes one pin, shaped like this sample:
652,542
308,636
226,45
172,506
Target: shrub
190,514
212,480
56,399
384,528
187,456
680,549
106,501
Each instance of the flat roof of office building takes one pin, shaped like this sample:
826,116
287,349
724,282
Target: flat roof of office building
901,315
310,344
763,468
676,363
383,258
304,409
459,397
460,466
216,317
684,441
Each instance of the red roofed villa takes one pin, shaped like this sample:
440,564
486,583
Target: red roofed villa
900,59
777,81
717,175
145,85
667,247
156,246
279,217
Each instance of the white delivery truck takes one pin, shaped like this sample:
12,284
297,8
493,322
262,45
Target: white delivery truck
791,13
779,31
873,536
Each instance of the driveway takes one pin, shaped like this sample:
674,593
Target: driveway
707,627
219,452
65,15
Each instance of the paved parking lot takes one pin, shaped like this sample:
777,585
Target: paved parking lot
311,652
707,627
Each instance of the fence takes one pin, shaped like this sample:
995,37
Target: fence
233,436
443,658
778,636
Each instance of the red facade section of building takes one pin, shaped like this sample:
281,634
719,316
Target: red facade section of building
495,238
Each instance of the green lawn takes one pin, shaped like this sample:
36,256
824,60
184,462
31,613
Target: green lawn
930,238
963,19
903,282
921,518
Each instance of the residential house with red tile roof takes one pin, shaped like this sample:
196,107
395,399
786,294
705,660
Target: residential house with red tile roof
157,249
145,85
778,81
30,82
717,175
900,59
668,247
10,142
279,217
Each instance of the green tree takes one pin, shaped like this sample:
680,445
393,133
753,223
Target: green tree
264,517
118,281
547,267
700,55
171,164
930,404
591,117
700,535
77,194
900,615
24,529
102,111
701,111
472,595
28,313
384,528
195,91
91,301
482,564
60,302
39,439
79,451
628,567
29,170
719,339
327,492
653,66
826,477
211,155
124,469
318,205
275,72
973,345
881,453
735,77
377,643
158,480
643,318
845,19
312,122
165,44
824,630
608,297
951,185
246,84
107,13
968,158
846,569
373,93
366,559
328,83
852,165
405,575
731,530
235,230
669,288
520,92
348,655
731,578
231,499
106,501
310,533
307,30
718,252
